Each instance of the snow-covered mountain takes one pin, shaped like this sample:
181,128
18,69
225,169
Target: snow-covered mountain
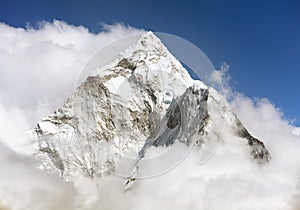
144,99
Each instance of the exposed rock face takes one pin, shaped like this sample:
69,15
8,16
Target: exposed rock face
145,99
259,153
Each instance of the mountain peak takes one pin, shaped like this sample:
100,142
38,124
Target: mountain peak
149,58
144,99
150,39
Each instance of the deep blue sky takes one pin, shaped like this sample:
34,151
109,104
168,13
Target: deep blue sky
260,40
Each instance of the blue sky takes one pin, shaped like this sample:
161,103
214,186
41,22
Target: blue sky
260,40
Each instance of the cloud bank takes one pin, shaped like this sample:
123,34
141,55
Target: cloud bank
39,68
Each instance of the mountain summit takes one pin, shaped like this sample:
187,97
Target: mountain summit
143,100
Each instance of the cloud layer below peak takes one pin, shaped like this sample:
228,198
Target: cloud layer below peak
39,68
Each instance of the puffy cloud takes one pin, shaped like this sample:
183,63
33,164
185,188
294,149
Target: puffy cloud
39,68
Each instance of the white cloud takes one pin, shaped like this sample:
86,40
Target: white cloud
39,68
296,131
